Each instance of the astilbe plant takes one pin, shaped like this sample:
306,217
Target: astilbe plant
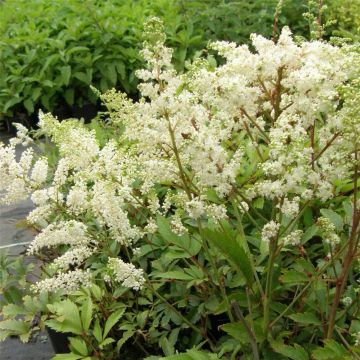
222,213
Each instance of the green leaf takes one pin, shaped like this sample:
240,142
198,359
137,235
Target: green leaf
190,355
295,352
86,314
65,74
166,347
48,83
121,69
111,74
237,331
306,318
229,244
68,317
191,245
97,331
125,337
308,217
69,356
309,233
332,351
83,77
36,93
5,334
96,292
16,327
69,96
112,320
174,275
29,106
258,203
107,341
293,277
10,103
78,345
335,218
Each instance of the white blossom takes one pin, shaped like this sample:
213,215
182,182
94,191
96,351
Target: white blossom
293,238
270,231
65,282
63,233
127,274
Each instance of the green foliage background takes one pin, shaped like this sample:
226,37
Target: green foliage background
51,51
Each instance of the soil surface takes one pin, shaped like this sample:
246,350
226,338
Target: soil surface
12,234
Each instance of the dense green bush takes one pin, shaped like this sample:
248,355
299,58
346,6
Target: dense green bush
51,51
347,16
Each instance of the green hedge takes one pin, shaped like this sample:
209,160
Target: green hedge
51,51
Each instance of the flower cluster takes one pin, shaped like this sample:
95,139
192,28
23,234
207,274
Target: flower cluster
270,231
66,282
328,231
126,274
270,124
63,233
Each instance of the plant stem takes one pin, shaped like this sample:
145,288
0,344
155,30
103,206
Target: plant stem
301,293
172,307
357,357
178,160
266,138
268,287
252,337
218,278
327,145
341,281
242,233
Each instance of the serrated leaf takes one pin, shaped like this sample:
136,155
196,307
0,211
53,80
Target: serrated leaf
237,331
166,347
68,317
295,352
332,351
125,337
97,331
69,356
17,327
306,318
293,277
86,314
112,320
227,242
78,345
107,341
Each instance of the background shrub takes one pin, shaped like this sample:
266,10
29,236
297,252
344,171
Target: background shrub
51,51
347,15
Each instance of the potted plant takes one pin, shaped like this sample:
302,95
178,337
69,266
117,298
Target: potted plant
217,217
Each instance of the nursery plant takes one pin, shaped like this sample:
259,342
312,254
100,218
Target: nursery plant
215,218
